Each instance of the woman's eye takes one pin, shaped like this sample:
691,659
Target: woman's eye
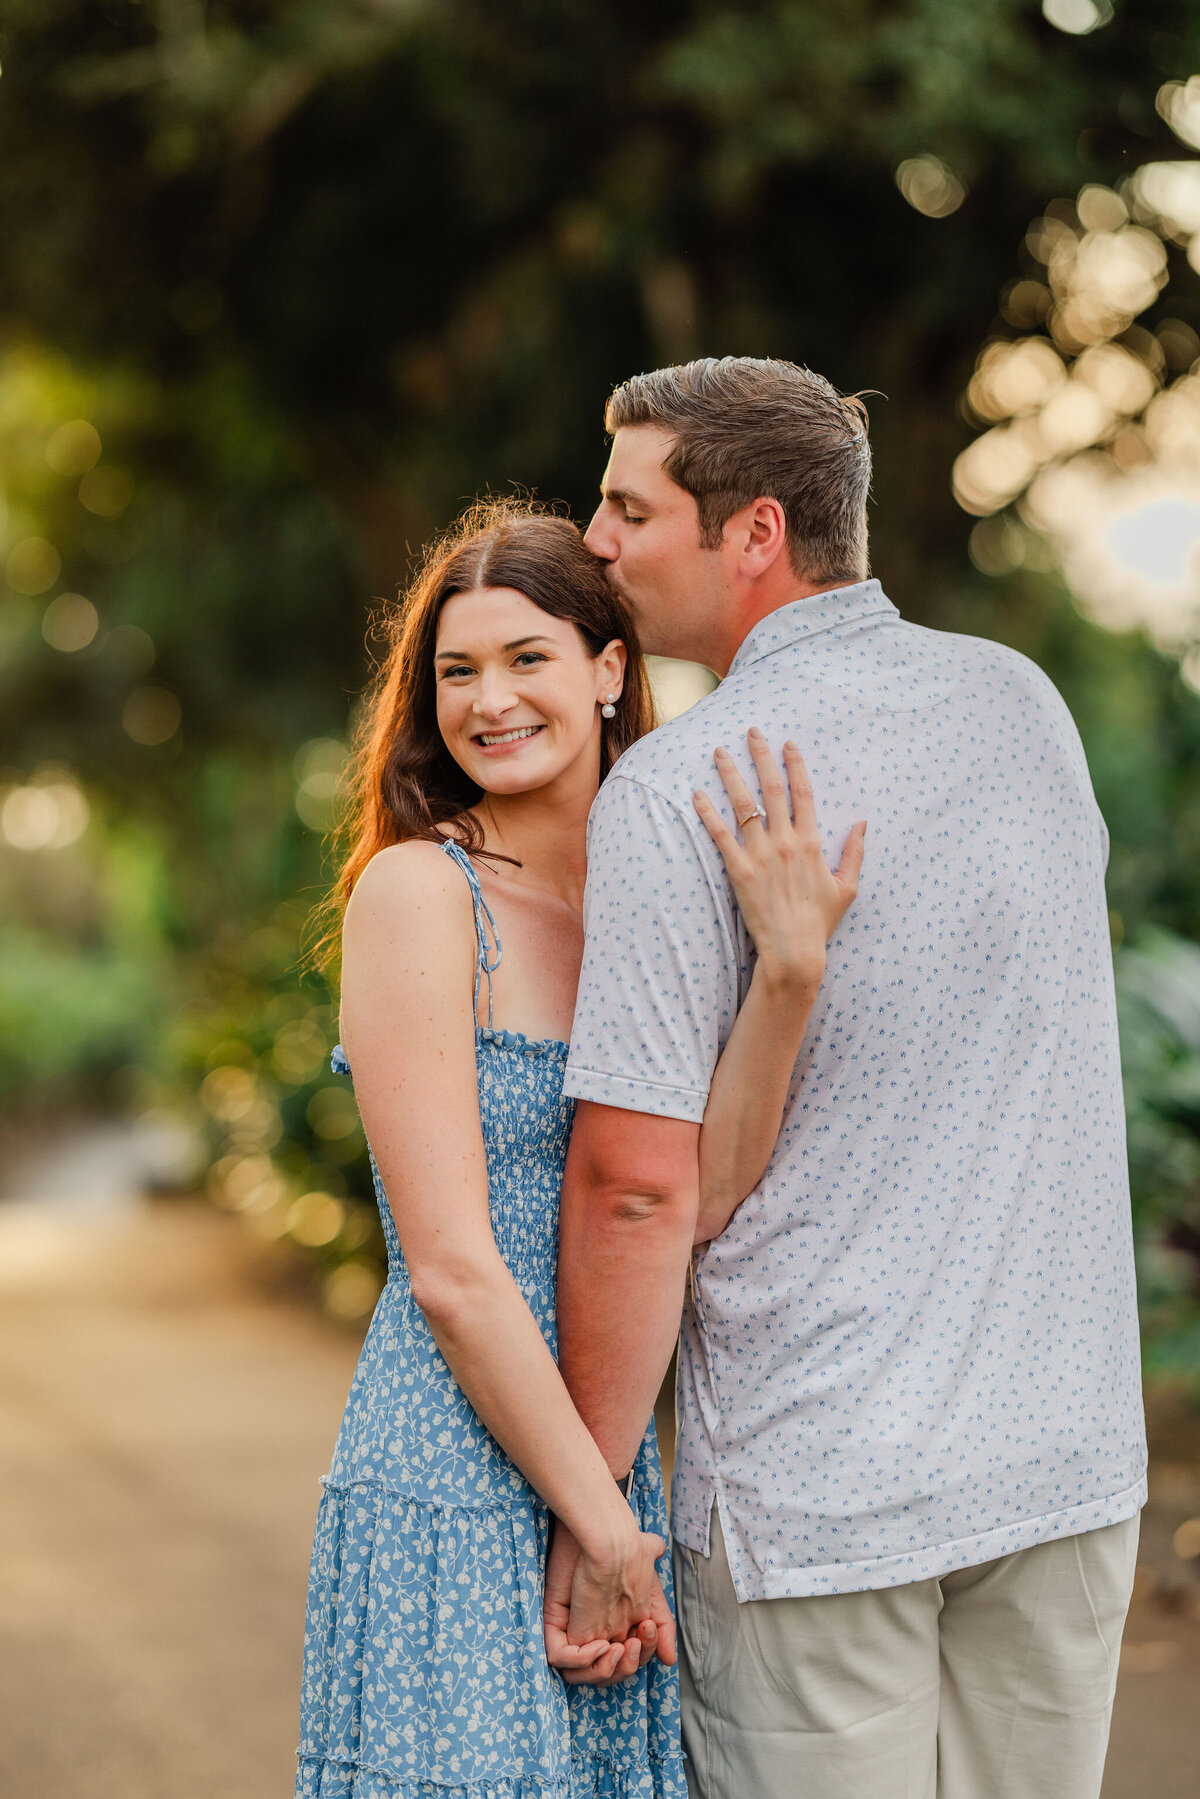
528,658
461,669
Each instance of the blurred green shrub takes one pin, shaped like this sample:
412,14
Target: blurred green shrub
1158,1001
285,1141
64,1014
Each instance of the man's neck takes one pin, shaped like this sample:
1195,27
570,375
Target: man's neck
755,604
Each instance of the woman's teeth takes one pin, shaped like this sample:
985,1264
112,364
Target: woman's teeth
490,737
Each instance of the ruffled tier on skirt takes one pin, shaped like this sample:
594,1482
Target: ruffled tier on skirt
588,1780
425,1675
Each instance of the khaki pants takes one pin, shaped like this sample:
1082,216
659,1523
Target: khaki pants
993,1682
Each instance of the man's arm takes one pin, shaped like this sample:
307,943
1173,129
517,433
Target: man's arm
629,1203
659,982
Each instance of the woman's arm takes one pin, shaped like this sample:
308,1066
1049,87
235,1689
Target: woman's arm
407,977
791,903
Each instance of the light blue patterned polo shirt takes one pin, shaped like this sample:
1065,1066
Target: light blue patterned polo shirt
915,1347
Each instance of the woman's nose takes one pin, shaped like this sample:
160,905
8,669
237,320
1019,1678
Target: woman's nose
495,697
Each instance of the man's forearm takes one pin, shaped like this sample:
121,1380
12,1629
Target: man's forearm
630,1195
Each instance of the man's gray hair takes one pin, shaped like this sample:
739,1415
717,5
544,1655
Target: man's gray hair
749,428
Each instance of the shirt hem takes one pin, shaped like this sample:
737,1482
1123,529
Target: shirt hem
751,1582
658,1098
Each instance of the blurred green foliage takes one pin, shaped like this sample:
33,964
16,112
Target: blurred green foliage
1158,993
313,274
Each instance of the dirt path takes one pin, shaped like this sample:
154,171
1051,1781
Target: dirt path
1154,1751
164,1420
164,1425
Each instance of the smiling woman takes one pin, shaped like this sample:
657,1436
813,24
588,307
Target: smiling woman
463,673
522,702
512,682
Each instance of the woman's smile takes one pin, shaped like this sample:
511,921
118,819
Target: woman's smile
498,742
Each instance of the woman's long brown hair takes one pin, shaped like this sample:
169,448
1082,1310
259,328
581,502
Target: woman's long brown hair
404,783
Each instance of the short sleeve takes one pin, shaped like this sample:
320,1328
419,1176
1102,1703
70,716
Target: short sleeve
658,992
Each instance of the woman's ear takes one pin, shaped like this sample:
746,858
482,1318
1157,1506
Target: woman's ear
610,666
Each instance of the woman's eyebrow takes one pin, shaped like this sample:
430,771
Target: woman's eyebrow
516,644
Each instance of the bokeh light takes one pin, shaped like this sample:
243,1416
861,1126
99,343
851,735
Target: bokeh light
351,1291
300,1050
1100,208
315,1219
238,1099
1000,544
1167,196
151,715
1013,378
1157,540
1093,425
33,565
1124,540
247,1183
1101,281
106,491
74,448
1179,104
229,1092
132,647
319,767
1077,16
333,1113
930,186
70,623
48,813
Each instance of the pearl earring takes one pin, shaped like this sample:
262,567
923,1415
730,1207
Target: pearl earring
609,708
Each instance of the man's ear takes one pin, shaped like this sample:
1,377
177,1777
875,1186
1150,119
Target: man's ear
765,535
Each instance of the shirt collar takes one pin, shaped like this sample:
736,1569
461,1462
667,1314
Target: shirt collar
809,617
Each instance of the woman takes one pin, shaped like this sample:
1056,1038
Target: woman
512,684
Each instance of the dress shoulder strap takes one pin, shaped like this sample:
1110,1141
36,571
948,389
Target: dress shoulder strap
488,946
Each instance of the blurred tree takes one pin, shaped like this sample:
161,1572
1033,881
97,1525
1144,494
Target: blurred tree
311,274
328,270
420,241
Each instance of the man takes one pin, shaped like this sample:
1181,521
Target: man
911,1452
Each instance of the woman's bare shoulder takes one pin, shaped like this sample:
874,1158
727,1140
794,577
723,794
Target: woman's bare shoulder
414,886
408,952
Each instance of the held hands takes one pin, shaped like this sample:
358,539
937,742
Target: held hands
790,899
605,1617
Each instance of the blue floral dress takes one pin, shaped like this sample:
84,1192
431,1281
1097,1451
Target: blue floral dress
425,1675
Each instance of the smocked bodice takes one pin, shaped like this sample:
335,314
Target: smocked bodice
526,1122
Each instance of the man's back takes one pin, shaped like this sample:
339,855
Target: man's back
914,1347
